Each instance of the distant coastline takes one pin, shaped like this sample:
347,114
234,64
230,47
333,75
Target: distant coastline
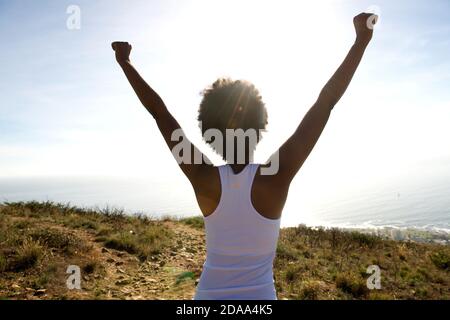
414,234
420,214
403,233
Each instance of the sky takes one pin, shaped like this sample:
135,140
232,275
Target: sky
67,110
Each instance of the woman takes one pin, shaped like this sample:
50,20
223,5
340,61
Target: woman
241,204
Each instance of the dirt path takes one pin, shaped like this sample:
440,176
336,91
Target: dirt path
171,275
120,275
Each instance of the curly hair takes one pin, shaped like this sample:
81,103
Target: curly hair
229,104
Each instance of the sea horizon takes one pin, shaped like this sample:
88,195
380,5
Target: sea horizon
403,205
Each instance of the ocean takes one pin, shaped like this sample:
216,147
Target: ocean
422,203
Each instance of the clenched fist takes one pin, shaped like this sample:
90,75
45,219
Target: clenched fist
122,50
364,24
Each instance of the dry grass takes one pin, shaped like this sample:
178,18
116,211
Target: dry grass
144,242
332,264
195,222
26,256
38,241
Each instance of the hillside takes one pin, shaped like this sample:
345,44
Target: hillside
134,257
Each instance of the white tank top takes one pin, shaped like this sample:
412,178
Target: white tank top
240,244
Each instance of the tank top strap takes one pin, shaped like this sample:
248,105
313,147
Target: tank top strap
224,178
253,170
249,180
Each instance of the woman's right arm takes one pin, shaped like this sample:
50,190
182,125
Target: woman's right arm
297,148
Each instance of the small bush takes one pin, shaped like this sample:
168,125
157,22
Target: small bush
41,281
44,278
123,241
184,276
88,224
27,255
90,267
23,224
335,237
54,238
3,263
364,239
103,233
352,285
422,293
145,243
35,208
285,251
310,290
152,241
292,274
195,222
81,222
441,260
113,213
415,279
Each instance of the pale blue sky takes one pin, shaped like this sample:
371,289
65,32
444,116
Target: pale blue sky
66,109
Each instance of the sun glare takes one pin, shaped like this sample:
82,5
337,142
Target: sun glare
249,39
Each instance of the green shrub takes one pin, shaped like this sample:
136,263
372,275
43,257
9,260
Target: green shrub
195,222
352,285
291,274
441,260
364,239
3,263
153,240
310,290
145,243
286,252
81,222
123,241
23,224
27,255
41,281
184,276
90,267
53,238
